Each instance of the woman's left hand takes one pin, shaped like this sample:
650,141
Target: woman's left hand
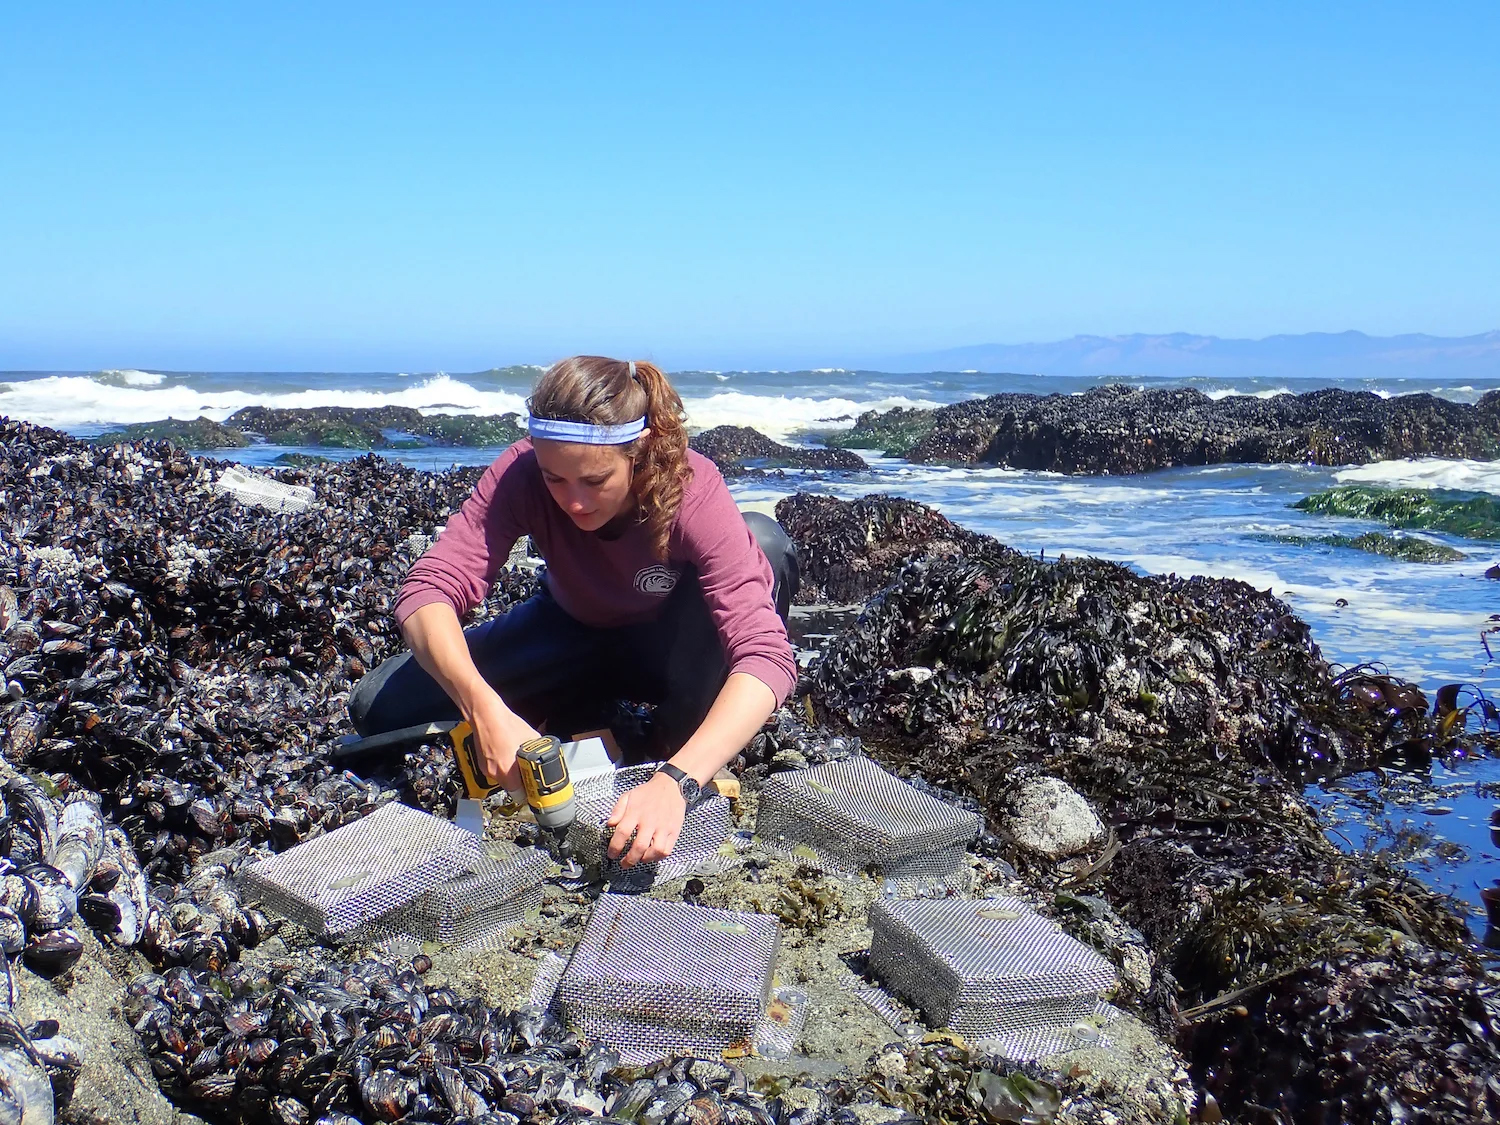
654,813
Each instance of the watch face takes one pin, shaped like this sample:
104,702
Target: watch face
691,790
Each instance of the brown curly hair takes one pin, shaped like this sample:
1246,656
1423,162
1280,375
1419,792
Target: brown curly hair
601,392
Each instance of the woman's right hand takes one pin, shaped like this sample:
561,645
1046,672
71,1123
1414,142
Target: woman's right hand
498,732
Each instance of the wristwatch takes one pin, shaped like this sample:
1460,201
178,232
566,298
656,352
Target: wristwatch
691,790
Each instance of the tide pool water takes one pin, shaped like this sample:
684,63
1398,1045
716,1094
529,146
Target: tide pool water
1420,621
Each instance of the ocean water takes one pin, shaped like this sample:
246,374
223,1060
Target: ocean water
1421,622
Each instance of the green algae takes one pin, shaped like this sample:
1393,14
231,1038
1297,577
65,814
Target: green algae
1472,515
301,460
1401,547
471,430
196,433
370,428
895,432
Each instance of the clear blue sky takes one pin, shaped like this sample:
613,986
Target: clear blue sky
453,186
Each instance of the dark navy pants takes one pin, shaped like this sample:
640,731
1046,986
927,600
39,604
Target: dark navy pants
551,669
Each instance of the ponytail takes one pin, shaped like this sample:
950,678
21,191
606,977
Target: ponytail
661,467
610,392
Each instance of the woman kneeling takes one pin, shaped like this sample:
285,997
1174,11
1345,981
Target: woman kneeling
657,590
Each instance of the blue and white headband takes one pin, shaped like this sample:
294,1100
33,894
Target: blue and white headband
556,429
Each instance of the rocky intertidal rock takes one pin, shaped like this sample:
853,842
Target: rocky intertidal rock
848,550
1086,652
1120,429
738,449
373,427
196,433
1404,548
187,657
1187,712
895,432
1467,514
1372,1057
1318,986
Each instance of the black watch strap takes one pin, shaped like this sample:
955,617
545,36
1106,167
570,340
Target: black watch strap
684,781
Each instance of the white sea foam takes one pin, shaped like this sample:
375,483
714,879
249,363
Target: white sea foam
117,398
1427,472
1222,392
76,401
781,416
132,378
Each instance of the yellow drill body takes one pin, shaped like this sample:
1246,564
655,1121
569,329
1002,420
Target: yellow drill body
476,785
544,777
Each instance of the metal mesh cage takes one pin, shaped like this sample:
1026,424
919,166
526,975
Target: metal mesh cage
265,492
849,815
469,909
652,977
358,872
985,967
705,829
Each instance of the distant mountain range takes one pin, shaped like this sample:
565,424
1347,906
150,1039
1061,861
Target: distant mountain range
1315,355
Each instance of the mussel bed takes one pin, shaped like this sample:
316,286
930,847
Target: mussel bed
180,663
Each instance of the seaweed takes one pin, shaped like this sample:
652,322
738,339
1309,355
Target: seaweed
1472,515
895,432
196,433
1404,548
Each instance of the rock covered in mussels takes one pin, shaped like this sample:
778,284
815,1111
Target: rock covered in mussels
1186,711
194,433
736,449
189,663
848,550
1120,429
186,659
371,1040
1084,653
372,427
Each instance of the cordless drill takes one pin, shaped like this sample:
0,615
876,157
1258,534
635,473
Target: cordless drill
549,790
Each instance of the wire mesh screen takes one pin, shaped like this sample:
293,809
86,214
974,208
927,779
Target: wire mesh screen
265,492
705,829
358,872
469,909
652,977
850,815
985,967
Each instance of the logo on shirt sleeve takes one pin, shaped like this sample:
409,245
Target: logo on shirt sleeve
656,580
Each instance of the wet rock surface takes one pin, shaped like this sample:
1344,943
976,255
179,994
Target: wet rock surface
737,450
180,663
1405,548
895,432
1188,712
116,1085
1471,515
1049,820
849,550
197,433
1119,429
378,427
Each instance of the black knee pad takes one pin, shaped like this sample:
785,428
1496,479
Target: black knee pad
781,553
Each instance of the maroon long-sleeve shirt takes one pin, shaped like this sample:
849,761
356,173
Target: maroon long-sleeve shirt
608,583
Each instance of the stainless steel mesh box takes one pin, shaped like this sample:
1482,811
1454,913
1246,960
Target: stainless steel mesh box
985,967
849,815
705,829
358,872
471,908
652,977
